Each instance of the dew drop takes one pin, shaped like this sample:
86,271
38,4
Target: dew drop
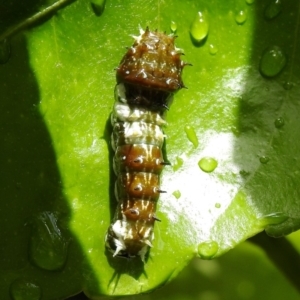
273,219
264,159
272,62
287,85
208,249
250,2
4,51
48,248
98,6
217,205
191,135
22,289
178,163
279,122
176,194
241,17
273,9
213,49
199,27
173,26
207,164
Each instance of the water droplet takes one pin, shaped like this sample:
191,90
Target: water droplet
4,51
213,49
241,17
273,9
199,27
279,122
288,85
217,205
178,163
273,219
98,6
191,135
177,194
272,62
22,289
48,248
208,249
250,1
264,159
173,26
207,164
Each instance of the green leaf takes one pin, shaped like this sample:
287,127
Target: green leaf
57,98
243,273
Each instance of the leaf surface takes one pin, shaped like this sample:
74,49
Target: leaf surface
58,95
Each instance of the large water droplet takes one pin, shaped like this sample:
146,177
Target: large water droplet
4,51
213,49
264,159
273,219
22,289
208,249
191,135
272,62
48,248
241,17
273,9
173,26
250,2
217,205
207,164
199,27
178,163
98,6
176,194
279,122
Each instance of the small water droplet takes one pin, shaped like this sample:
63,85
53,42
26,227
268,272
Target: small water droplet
217,205
173,26
288,85
279,122
207,164
178,163
98,6
4,51
199,27
241,17
177,194
213,49
191,135
22,289
48,248
272,62
273,9
250,1
264,159
273,219
208,249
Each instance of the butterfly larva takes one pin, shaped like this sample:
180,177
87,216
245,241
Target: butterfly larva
147,77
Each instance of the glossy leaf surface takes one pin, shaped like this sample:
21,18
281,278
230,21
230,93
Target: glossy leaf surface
57,92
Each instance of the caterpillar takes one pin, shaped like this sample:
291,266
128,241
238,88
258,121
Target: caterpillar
148,76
